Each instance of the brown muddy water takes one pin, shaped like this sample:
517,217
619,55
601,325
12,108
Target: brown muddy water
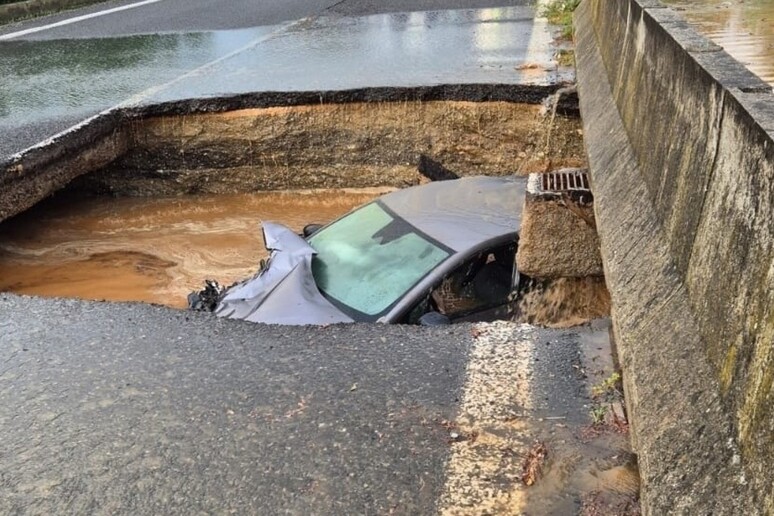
565,302
744,28
153,250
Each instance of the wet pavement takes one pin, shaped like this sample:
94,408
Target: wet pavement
134,409
76,78
745,29
47,86
164,16
124,408
501,46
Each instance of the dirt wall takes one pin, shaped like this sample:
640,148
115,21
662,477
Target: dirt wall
335,145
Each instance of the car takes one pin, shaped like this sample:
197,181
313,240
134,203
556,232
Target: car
436,253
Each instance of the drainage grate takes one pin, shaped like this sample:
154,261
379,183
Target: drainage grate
572,181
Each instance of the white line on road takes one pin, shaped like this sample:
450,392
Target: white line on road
68,21
480,477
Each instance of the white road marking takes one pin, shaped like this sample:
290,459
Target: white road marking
76,19
480,477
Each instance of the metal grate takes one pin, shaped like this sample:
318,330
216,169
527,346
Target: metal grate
573,181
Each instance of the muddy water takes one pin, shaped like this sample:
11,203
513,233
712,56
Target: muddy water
565,302
153,250
744,28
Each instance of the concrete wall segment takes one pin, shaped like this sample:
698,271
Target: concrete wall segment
759,104
662,68
731,274
680,151
661,439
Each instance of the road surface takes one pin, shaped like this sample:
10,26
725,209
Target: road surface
130,409
54,76
114,408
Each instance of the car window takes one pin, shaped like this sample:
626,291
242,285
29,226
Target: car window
370,258
480,283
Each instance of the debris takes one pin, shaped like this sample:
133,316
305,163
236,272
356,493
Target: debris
564,302
207,299
477,332
533,463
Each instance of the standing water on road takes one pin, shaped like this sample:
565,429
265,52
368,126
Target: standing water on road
152,250
745,29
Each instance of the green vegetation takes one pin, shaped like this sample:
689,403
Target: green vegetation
609,388
604,394
565,57
559,12
598,413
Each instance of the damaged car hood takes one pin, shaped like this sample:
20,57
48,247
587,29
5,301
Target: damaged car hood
283,292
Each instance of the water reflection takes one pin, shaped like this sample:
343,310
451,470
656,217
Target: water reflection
744,29
40,80
409,49
493,32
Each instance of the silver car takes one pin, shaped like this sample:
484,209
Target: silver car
431,254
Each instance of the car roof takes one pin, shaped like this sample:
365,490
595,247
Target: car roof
462,213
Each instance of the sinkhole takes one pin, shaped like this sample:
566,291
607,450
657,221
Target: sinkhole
154,206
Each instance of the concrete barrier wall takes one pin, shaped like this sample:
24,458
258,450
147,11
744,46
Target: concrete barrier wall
680,140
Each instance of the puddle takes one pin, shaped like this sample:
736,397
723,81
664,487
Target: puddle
151,249
744,29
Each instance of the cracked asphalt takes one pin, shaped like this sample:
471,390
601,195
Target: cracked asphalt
175,50
116,408
109,408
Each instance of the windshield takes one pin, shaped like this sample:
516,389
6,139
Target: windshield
369,259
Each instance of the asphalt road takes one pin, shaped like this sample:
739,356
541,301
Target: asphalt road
211,15
52,79
131,409
110,408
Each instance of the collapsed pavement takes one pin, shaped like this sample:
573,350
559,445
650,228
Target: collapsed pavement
134,408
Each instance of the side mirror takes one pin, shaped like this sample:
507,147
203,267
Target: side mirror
311,229
434,319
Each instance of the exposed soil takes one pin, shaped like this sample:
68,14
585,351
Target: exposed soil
335,145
